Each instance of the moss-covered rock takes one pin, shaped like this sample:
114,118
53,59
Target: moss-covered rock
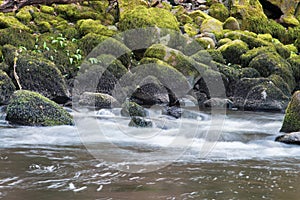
291,122
141,17
88,42
128,5
232,51
7,88
32,109
231,23
223,41
175,58
295,66
206,56
140,122
74,12
131,109
17,38
12,22
37,74
259,94
191,30
249,55
249,73
93,26
24,15
47,9
218,11
211,25
97,100
206,42
271,63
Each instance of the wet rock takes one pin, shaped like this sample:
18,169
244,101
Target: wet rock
173,111
140,122
150,92
259,94
37,74
32,109
132,109
7,88
291,122
218,103
290,138
97,100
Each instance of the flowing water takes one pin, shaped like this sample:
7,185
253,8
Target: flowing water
61,163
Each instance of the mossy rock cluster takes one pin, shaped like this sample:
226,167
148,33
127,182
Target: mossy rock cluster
32,109
97,100
132,109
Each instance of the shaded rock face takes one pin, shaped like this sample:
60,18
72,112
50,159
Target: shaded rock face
7,88
291,122
38,74
290,138
259,94
32,109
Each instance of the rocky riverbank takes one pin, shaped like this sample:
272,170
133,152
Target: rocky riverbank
249,47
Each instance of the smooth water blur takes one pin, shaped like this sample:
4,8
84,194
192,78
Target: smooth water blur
245,163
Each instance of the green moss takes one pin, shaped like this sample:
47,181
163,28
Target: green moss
7,88
295,66
142,17
199,13
133,109
128,5
281,84
243,10
191,30
32,109
184,19
249,73
249,55
223,41
289,20
47,9
291,122
17,37
24,15
232,51
211,25
12,22
206,56
89,42
93,26
272,63
206,42
74,12
266,37
218,11
231,23
43,26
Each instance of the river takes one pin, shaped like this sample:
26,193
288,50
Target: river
242,162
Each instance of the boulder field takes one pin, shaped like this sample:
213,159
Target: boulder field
144,52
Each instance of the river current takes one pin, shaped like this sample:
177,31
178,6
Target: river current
242,161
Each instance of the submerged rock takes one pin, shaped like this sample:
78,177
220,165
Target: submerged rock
32,109
290,138
291,122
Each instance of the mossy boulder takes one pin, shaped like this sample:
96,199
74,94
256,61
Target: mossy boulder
132,109
243,10
17,37
190,29
47,9
88,42
74,12
249,38
272,63
249,55
102,75
211,25
249,73
24,15
97,100
32,109
291,122
295,66
140,122
232,51
7,88
37,74
86,26
12,22
175,58
206,56
259,94
231,23
128,5
141,17
150,92
218,11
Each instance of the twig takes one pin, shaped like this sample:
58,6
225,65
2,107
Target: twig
15,71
